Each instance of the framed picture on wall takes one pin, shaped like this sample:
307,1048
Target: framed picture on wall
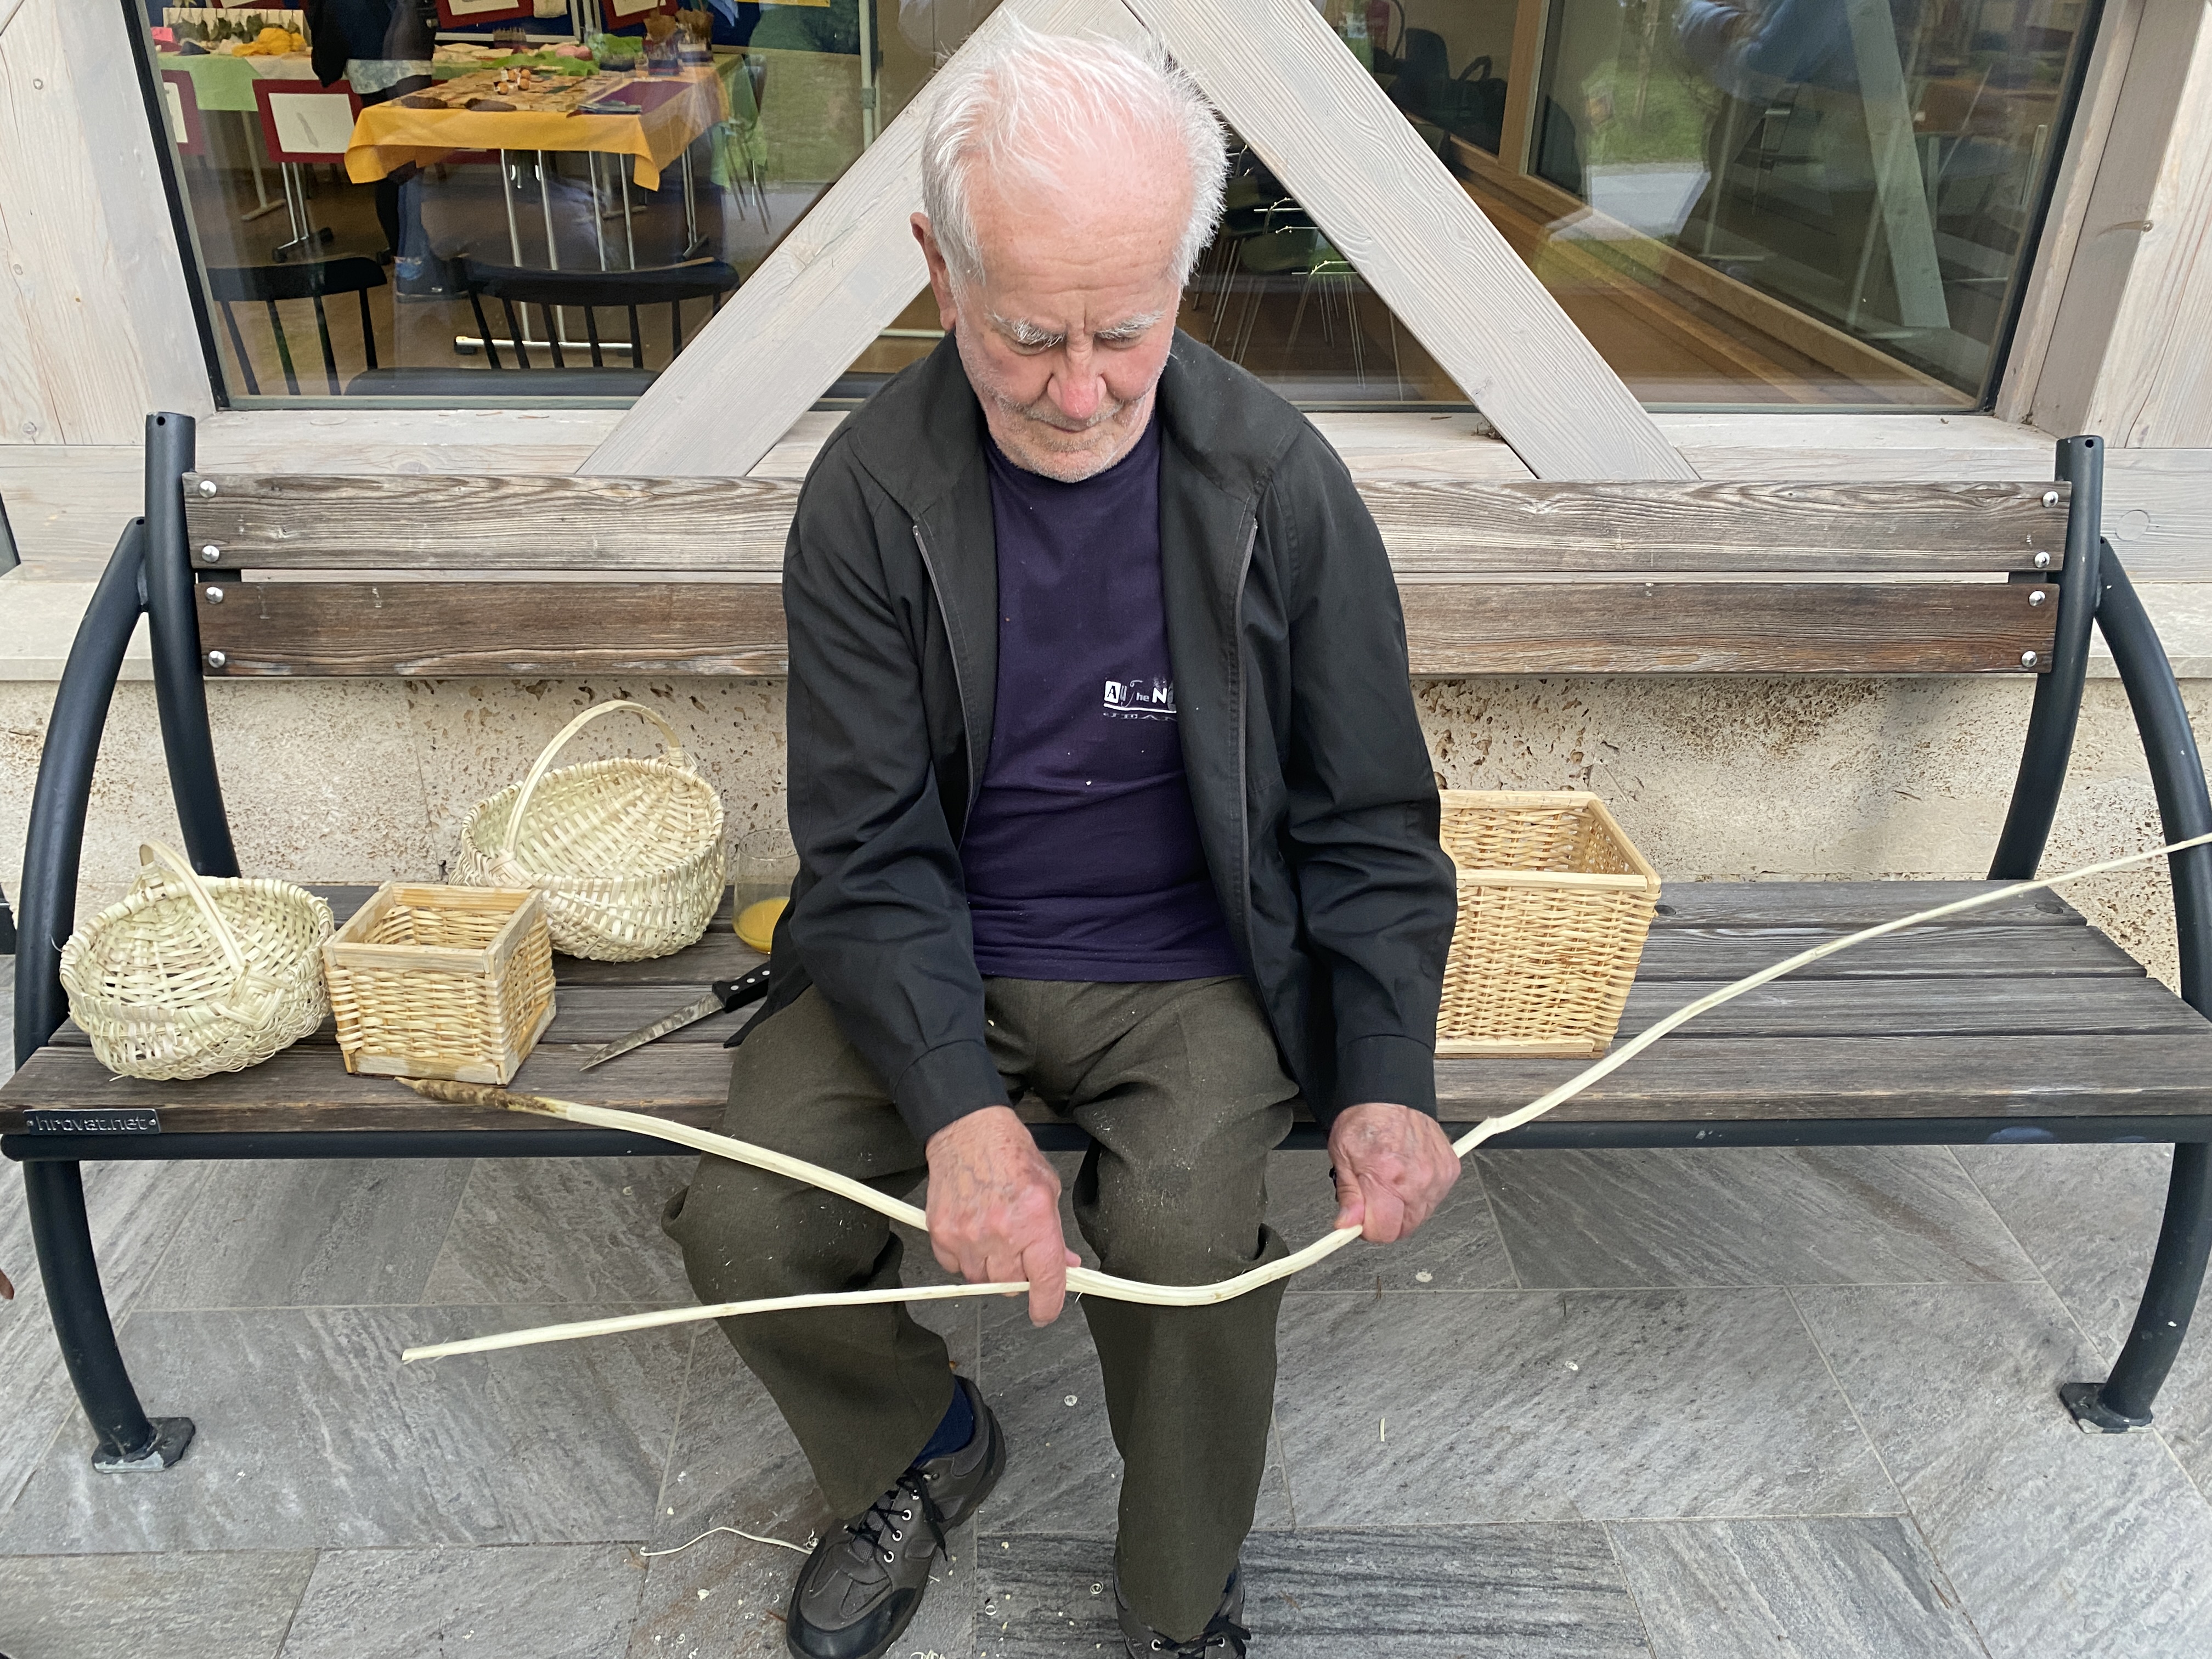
453,13
629,11
180,107
305,121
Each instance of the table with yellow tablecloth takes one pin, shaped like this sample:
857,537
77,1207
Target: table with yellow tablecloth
678,108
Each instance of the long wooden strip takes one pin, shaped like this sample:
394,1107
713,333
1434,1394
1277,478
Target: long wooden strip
439,628
1996,949
1726,628
1724,1079
1734,904
448,522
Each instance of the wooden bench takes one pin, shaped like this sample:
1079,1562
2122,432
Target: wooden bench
2020,1022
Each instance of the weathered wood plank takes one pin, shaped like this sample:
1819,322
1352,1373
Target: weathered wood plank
1748,1079
2054,1006
1846,903
438,629
1474,525
2001,950
1726,628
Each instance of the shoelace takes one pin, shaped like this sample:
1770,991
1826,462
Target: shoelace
887,1510
1223,1631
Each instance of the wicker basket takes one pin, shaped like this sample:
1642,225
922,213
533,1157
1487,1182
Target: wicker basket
1554,907
628,854
191,975
442,982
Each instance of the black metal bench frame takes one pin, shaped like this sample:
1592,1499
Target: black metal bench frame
151,574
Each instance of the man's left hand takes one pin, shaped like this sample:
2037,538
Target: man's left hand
1393,1167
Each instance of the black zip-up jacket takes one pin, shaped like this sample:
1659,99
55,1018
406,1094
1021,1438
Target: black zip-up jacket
1315,803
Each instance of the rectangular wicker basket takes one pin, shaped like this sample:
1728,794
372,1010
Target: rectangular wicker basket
1554,903
442,982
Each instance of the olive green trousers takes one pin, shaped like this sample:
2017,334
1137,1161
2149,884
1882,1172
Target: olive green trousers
1179,1088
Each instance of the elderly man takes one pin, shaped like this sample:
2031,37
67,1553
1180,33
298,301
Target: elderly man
1107,789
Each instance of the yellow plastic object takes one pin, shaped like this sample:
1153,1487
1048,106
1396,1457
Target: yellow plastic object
757,922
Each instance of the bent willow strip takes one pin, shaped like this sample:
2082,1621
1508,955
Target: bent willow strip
1084,1280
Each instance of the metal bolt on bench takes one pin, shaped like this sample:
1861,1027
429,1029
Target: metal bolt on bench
1986,627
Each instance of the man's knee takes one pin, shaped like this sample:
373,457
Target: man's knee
746,1234
1145,1229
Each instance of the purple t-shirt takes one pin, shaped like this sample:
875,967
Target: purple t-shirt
1082,855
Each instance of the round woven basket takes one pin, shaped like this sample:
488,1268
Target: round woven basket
628,854
192,975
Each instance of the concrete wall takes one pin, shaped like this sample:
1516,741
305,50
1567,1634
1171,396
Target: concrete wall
335,780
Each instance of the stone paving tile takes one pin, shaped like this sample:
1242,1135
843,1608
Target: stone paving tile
1458,1249
341,1232
230,1605
312,1434
1062,1470
136,1210
1828,1589
1543,1405
2088,1217
747,1589
1525,1592
529,1601
548,1230
2059,1544
1827,1215
733,1463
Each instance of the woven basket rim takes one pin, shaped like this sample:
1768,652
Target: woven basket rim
81,955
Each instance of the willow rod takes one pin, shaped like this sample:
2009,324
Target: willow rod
1084,1280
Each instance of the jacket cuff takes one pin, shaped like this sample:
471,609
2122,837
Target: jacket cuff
1401,1070
945,1085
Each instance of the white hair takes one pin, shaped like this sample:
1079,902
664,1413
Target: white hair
1023,105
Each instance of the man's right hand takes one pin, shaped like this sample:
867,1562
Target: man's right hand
994,1209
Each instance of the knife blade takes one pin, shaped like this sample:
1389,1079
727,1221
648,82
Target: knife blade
722,997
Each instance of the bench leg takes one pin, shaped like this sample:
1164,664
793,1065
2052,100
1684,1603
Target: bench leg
130,1441
2177,1272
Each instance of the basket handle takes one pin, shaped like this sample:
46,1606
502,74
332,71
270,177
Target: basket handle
253,996
546,756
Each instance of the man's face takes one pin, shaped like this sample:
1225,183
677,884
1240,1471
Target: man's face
1064,337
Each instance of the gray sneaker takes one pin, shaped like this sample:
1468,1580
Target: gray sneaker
1223,1637
864,1583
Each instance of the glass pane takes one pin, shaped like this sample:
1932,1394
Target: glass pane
1834,196
512,210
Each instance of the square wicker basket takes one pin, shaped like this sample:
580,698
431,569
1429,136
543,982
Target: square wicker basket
442,982
1554,907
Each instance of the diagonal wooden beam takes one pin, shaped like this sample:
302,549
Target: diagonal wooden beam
1324,128
816,302
1284,81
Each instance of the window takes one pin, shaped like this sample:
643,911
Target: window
1811,203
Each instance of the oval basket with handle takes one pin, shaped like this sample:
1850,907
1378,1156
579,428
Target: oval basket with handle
192,975
627,853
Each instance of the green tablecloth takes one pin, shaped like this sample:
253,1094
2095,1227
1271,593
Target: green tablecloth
224,83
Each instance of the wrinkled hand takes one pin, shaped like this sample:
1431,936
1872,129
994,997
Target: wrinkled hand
994,1209
1393,1167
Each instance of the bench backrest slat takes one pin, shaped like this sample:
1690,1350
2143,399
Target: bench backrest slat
402,522
428,630
428,575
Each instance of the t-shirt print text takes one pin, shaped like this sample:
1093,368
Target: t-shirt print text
1140,699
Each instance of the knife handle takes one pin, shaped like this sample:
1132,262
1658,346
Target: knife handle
737,993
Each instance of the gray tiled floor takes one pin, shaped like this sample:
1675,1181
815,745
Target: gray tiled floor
1705,1406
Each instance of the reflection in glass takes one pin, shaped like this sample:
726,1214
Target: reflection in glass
1789,201
1872,166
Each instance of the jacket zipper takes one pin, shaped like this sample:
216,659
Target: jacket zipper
1243,787
959,683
